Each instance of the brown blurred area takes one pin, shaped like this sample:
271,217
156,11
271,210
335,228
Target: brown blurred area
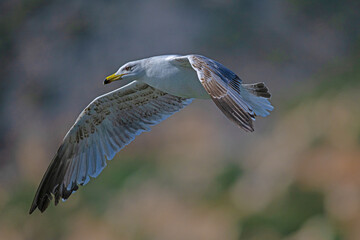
196,175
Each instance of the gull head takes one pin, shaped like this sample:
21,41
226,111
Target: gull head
129,71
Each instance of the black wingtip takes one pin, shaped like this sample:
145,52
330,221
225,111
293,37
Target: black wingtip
32,209
43,196
34,205
41,204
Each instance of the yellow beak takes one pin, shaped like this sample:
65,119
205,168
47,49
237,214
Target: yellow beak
113,78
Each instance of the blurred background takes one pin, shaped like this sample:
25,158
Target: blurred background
196,175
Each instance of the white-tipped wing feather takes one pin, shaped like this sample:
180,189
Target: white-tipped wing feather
109,123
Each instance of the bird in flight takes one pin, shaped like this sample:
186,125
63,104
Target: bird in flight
161,86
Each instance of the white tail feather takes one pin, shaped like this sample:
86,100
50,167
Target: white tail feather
257,97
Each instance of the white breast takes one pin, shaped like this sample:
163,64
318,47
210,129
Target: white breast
176,80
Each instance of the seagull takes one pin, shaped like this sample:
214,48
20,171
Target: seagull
159,87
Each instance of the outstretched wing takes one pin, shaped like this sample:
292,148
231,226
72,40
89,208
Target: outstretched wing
225,89
109,123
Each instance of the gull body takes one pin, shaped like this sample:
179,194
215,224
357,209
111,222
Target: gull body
160,87
161,72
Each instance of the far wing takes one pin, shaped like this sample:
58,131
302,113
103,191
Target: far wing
225,88
109,123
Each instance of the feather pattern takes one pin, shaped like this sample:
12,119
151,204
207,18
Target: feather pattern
103,128
225,89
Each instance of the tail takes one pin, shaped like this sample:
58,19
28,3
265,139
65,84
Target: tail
256,97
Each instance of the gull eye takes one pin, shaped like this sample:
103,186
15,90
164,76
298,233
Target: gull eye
128,68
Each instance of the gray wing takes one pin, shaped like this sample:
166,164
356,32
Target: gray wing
109,123
225,89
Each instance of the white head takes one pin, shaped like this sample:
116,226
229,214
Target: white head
130,71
